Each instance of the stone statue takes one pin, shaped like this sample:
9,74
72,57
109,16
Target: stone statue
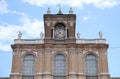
59,6
19,35
48,11
100,35
41,35
70,11
78,35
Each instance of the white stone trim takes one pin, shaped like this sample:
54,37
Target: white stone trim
29,41
81,73
17,73
39,73
72,78
104,74
46,78
89,41
46,73
72,73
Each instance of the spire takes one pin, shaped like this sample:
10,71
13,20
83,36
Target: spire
59,12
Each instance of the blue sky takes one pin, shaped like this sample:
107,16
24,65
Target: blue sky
27,16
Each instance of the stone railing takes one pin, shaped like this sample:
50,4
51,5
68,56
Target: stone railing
41,41
90,41
29,41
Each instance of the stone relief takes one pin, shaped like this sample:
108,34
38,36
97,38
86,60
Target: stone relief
48,22
71,22
59,19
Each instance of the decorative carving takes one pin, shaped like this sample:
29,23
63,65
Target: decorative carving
48,22
65,52
35,52
54,22
23,52
47,51
72,50
16,52
65,22
79,51
59,19
71,22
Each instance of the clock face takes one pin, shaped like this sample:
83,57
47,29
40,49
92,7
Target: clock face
59,33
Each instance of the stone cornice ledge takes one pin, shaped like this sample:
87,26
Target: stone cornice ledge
103,74
39,73
46,73
17,73
72,73
81,73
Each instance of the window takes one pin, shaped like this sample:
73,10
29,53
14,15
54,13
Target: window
91,67
51,33
28,67
59,67
67,33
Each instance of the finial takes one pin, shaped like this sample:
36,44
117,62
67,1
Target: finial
19,35
78,35
100,35
59,12
48,11
71,11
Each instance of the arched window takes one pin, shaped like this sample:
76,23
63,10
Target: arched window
28,67
59,67
91,67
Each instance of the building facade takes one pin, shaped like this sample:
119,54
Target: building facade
60,53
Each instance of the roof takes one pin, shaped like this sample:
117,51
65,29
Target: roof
115,77
4,77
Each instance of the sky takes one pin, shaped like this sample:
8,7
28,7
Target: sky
26,16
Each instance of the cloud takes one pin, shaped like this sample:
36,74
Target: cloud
85,18
4,9
3,6
29,28
106,4
9,32
5,47
75,3
32,27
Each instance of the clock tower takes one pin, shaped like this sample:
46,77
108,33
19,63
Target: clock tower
59,28
60,55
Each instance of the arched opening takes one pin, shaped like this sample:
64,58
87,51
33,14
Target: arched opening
60,31
28,67
59,67
91,67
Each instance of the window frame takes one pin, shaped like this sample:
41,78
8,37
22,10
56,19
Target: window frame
91,66
28,66
62,64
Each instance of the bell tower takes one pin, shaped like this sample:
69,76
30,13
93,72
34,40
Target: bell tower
59,28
